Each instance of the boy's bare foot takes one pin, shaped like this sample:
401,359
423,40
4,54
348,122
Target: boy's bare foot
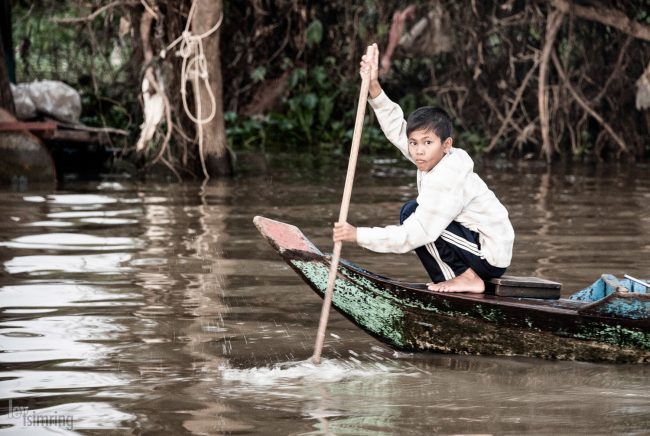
468,281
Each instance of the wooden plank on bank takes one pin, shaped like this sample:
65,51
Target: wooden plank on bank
30,126
78,136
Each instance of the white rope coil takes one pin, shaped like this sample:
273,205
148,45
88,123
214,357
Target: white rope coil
195,66
195,69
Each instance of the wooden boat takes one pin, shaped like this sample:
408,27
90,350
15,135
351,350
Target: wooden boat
604,322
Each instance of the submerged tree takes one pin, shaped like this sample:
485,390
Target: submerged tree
197,80
173,57
6,98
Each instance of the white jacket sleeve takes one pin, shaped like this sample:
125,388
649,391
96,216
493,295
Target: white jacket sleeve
439,203
392,122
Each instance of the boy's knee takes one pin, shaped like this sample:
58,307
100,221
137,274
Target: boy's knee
407,210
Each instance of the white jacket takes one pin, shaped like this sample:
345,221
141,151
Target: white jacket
451,191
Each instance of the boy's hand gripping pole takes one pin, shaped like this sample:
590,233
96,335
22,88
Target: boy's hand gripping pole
343,215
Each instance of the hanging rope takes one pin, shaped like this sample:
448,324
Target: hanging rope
195,69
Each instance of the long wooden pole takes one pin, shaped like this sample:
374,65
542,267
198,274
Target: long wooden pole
343,215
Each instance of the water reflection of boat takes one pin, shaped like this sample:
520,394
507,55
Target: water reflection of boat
601,323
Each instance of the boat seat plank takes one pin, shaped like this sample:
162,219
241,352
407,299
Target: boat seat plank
524,287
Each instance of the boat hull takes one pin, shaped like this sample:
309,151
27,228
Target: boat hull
409,317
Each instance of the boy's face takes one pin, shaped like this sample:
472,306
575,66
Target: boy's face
426,149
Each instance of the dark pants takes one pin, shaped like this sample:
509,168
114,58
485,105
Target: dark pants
456,250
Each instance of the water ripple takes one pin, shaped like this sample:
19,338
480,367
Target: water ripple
72,241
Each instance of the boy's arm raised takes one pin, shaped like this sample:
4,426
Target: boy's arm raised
389,114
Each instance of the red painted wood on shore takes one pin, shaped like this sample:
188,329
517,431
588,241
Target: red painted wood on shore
30,126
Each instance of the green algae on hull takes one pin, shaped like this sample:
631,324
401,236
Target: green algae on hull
411,324
416,324
369,309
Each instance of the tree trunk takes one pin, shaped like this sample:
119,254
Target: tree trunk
553,22
6,97
215,152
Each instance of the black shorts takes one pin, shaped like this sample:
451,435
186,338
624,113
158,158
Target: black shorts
456,250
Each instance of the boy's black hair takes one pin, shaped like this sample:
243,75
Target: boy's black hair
429,118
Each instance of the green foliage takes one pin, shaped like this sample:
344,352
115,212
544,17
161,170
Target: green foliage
258,74
408,103
316,113
585,144
495,45
100,112
67,52
314,33
312,50
91,58
472,142
248,133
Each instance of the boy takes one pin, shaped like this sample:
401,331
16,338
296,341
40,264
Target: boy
457,226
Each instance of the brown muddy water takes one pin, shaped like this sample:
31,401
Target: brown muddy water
158,309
